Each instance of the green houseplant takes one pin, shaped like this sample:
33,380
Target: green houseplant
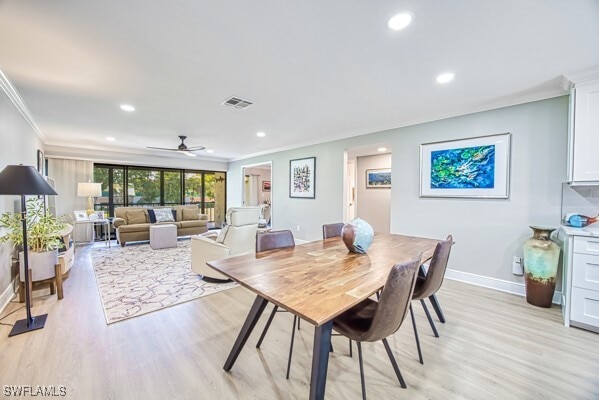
43,229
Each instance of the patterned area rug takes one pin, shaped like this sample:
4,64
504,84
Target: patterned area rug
135,280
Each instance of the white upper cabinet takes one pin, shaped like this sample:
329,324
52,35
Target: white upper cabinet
584,135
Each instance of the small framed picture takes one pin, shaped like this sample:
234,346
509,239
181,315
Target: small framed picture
100,214
378,178
266,186
81,215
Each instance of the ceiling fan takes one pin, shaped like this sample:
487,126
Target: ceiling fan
182,148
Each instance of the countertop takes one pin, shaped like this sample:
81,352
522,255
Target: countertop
591,230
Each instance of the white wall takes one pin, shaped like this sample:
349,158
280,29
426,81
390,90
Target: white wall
374,204
488,233
19,146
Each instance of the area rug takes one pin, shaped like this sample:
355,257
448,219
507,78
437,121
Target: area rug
135,280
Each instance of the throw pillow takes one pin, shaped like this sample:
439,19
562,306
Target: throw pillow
190,214
152,216
164,215
136,217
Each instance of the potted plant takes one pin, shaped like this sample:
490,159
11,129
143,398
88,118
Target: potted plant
43,238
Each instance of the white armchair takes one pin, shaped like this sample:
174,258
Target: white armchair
237,237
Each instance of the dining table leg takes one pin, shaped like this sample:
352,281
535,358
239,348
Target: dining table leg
247,328
320,360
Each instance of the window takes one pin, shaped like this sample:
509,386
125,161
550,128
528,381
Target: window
143,186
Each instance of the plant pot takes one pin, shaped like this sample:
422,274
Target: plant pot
40,264
541,257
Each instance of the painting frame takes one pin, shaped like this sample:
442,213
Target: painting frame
266,187
40,162
81,215
377,175
302,178
494,155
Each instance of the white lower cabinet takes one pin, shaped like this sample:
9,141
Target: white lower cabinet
582,283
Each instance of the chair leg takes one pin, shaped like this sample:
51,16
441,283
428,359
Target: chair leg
298,324
416,335
272,315
430,319
359,344
295,319
394,363
350,349
437,308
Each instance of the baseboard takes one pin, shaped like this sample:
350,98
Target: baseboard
7,296
494,283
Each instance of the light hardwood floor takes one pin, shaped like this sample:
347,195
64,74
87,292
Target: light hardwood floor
494,346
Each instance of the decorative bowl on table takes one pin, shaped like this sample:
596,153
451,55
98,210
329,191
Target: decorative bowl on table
357,235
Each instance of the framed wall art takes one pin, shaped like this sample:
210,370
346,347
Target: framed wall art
266,186
302,178
477,167
40,162
378,178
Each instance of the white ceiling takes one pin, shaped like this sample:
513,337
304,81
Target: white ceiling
316,70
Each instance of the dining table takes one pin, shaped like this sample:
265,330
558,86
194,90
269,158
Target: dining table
317,281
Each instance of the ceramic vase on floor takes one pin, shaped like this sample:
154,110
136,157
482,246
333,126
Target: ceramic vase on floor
541,257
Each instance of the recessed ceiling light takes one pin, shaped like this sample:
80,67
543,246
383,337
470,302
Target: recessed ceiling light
209,151
110,139
260,134
382,149
400,21
127,107
446,77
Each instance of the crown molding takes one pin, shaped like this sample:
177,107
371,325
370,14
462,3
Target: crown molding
549,93
16,99
582,76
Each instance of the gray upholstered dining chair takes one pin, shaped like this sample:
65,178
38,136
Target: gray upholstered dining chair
270,241
332,230
371,321
428,284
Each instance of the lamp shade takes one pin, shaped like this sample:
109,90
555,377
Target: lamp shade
89,189
23,180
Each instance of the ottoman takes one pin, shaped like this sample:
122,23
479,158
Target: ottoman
163,236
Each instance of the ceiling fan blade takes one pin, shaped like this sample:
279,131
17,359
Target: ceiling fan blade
161,148
195,148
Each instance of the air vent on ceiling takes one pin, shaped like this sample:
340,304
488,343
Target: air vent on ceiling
237,102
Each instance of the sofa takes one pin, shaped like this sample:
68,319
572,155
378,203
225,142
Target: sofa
133,223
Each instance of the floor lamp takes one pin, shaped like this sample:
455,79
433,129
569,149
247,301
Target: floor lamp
24,180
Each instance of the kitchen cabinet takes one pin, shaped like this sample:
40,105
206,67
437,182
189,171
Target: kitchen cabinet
584,132
580,293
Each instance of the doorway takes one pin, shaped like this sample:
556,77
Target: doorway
372,203
257,180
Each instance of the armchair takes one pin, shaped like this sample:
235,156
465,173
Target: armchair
238,236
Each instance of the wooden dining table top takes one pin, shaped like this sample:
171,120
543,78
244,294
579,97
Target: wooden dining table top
319,280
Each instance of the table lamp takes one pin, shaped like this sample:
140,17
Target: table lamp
24,180
89,190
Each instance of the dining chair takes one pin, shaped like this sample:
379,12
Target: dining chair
270,241
329,231
428,284
371,321
332,230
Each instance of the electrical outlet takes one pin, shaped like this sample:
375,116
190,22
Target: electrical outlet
517,267
297,228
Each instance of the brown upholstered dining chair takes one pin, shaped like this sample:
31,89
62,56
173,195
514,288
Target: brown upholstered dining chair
371,321
270,241
428,284
332,230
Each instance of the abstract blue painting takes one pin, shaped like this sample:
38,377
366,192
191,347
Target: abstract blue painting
463,168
